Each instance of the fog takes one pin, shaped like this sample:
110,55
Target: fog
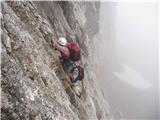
126,58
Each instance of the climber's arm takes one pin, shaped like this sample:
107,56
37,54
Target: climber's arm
60,48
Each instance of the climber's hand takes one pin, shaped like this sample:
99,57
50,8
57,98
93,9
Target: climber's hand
54,43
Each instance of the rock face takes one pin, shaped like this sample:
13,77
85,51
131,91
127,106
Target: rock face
33,84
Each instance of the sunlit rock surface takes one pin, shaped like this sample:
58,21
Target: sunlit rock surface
33,85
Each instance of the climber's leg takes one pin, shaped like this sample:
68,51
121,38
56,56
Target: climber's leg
67,66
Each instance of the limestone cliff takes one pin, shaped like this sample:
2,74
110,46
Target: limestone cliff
33,85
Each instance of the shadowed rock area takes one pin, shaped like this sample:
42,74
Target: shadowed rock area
33,84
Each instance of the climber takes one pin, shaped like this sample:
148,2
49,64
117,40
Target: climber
70,53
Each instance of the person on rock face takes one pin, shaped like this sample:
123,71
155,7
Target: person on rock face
70,56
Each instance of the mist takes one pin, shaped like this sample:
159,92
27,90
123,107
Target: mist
126,58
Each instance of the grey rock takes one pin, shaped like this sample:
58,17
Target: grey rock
34,86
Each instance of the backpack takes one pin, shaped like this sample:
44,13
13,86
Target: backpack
75,52
81,73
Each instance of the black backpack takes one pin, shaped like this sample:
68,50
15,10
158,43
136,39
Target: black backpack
81,73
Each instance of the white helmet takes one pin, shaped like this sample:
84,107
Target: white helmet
62,41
